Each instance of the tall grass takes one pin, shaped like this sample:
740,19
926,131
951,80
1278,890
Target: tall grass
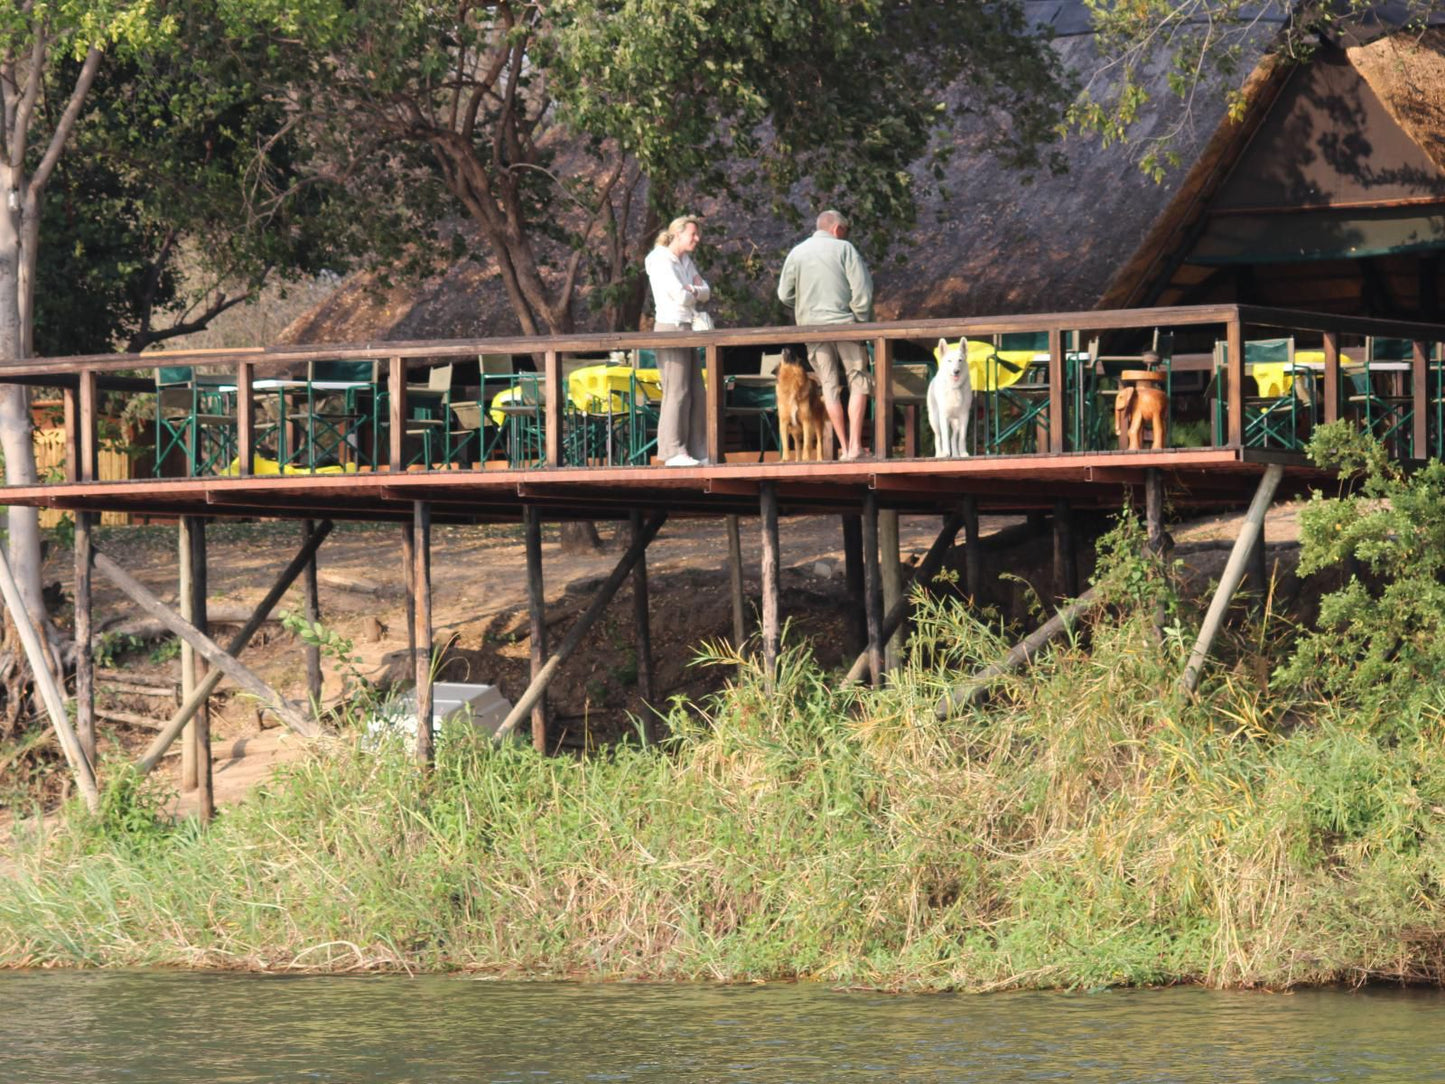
1090,826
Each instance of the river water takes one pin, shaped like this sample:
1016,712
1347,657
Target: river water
160,1028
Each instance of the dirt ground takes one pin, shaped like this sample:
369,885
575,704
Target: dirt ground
479,617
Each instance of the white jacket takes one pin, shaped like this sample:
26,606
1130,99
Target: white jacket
673,290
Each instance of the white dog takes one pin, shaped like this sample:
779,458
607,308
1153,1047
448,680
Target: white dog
950,400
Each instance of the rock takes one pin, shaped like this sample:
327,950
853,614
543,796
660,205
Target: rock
823,570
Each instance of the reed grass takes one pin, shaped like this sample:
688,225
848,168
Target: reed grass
1090,826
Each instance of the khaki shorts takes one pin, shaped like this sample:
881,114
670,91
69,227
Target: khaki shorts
831,360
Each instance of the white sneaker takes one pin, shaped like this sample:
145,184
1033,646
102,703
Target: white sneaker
704,462
681,459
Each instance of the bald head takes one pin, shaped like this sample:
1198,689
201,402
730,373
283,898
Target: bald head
833,222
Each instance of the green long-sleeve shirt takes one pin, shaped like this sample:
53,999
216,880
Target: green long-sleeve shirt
825,281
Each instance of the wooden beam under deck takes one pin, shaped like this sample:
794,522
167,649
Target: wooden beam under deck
1221,477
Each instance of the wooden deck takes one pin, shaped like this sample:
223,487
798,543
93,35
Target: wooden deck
1195,477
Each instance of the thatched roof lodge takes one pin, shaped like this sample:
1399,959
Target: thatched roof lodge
1327,193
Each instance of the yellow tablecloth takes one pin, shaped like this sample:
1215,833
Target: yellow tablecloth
588,389
1274,378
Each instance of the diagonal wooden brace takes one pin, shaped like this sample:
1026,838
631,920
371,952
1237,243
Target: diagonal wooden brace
208,648
183,714
574,636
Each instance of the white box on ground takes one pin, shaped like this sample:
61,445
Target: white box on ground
482,704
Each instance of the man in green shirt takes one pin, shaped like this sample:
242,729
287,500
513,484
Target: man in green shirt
825,281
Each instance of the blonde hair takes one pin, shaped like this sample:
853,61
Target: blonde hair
674,228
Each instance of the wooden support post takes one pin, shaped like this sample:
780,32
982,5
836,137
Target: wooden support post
1057,421
312,594
193,531
186,596
70,397
716,401
882,397
421,554
246,416
537,615
1256,575
735,576
927,569
238,643
1332,376
872,588
768,567
1234,338
856,624
408,571
396,414
1066,558
539,684
1233,573
644,636
1420,399
50,694
891,568
973,550
208,648
554,398
84,638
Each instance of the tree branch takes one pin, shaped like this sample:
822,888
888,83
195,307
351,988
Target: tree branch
66,122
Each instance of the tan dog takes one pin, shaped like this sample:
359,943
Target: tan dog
1137,405
801,413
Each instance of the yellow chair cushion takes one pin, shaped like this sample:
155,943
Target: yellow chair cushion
262,465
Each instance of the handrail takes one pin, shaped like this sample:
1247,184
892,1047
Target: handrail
82,377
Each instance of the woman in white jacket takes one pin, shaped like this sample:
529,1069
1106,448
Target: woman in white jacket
677,291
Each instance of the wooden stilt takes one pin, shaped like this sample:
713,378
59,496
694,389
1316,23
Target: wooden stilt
1154,508
421,554
644,636
193,528
312,595
537,615
1256,576
187,606
973,550
1066,558
872,588
238,643
735,576
772,630
50,693
890,567
84,638
408,567
855,626
589,617
927,569
208,648
1233,572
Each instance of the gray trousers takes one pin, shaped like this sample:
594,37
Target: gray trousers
682,421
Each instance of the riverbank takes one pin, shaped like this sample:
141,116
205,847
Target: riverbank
1090,826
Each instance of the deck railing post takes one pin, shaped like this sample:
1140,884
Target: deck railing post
1420,399
1332,376
555,399
716,401
883,397
246,417
396,413
71,398
87,436
1057,420
1234,428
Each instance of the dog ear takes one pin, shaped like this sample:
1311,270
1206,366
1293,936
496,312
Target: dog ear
941,349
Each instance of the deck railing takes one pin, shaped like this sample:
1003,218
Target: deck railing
1419,377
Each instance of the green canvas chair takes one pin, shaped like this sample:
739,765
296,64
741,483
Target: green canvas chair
194,415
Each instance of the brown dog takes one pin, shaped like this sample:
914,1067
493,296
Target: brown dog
801,413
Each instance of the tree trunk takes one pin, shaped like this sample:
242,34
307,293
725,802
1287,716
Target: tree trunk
580,537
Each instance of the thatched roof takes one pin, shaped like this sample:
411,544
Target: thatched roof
988,239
